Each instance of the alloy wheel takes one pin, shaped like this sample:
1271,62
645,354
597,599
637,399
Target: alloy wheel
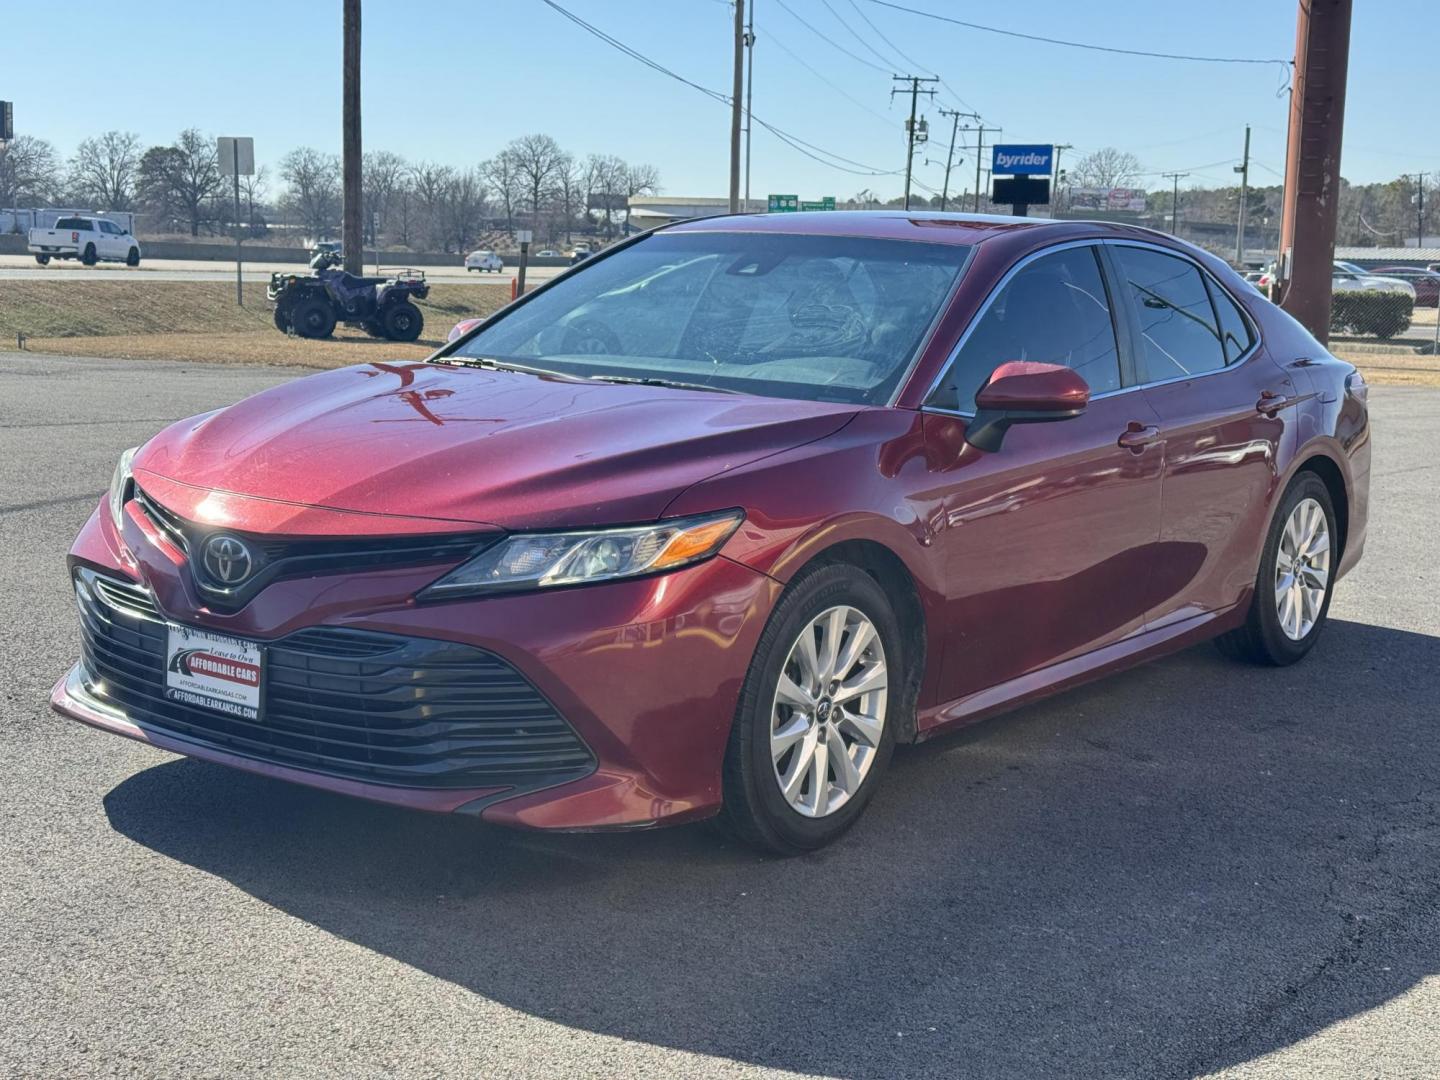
828,713
1302,569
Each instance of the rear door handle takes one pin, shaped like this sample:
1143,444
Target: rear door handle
1138,436
1270,403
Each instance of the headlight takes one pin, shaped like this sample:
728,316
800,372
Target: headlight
543,560
120,486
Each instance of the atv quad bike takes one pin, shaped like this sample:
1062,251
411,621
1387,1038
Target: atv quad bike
381,306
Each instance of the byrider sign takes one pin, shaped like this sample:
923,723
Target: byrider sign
1022,160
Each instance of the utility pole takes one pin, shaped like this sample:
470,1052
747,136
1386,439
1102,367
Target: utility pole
737,106
1244,170
911,128
749,95
351,239
1175,178
979,160
1312,163
1419,200
950,157
1056,177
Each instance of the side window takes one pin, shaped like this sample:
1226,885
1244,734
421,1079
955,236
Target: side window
1234,330
1178,333
1055,311
106,227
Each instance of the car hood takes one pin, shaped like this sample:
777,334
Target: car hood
466,445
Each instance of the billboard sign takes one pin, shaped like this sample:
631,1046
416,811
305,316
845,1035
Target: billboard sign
1020,191
1131,200
1022,159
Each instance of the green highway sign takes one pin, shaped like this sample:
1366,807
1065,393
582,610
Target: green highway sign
827,203
784,204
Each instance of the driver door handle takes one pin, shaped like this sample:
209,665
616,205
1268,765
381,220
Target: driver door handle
1138,436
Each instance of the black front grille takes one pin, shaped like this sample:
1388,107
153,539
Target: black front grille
368,706
288,557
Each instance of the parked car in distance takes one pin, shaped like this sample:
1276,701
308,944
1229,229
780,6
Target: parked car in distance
710,525
484,261
1426,283
89,239
548,253
1349,277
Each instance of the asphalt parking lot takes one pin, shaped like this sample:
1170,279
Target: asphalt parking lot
1188,869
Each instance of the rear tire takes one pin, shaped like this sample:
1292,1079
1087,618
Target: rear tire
43,260
282,318
1285,621
402,321
133,257
313,318
88,257
756,807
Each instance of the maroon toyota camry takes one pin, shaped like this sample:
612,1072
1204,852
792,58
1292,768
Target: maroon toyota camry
710,523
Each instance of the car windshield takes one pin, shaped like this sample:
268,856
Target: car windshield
823,318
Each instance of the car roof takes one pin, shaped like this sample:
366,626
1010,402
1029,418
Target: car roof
926,225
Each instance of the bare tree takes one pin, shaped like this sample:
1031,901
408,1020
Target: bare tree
605,187
462,206
29,171
105,169
639,180
253,189
431,183
383,174
538,159
181,180
1106,167
569,194
505,183
312,192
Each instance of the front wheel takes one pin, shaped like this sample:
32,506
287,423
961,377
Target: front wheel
313,318
132,258
402,321
814,729
1296,579
282,318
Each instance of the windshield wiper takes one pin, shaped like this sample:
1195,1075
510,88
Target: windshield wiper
489,363
651,380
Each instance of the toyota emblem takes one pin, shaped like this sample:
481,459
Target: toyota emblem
227,559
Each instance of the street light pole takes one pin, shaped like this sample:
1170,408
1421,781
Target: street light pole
1244,170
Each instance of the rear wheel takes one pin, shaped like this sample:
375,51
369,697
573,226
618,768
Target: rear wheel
402,321
813,731
132,258
313,318
43,260
88,256
1296,579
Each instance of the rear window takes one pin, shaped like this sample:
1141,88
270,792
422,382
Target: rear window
1234,330
74,223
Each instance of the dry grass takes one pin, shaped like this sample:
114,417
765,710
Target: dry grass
199,322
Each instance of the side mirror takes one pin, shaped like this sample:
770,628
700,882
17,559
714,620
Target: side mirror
464,326
1022,392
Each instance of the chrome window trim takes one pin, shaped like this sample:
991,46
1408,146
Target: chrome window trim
1245,357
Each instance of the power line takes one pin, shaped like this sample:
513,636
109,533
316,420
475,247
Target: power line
851,30
794,141
1075,44
888,121
823,37
908,60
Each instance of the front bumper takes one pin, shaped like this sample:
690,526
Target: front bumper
646,672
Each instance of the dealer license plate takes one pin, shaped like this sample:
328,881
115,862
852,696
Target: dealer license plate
213,671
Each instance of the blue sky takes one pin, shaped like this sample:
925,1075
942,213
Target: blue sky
453,80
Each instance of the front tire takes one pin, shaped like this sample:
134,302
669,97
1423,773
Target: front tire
1296,579
132,258
402,321
313,318
814,728
281,316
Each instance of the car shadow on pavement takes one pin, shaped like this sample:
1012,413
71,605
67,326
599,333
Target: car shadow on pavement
1165,873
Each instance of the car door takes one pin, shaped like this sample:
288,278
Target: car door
1047,544
1225,408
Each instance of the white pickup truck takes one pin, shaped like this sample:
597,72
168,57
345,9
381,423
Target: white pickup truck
89,239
